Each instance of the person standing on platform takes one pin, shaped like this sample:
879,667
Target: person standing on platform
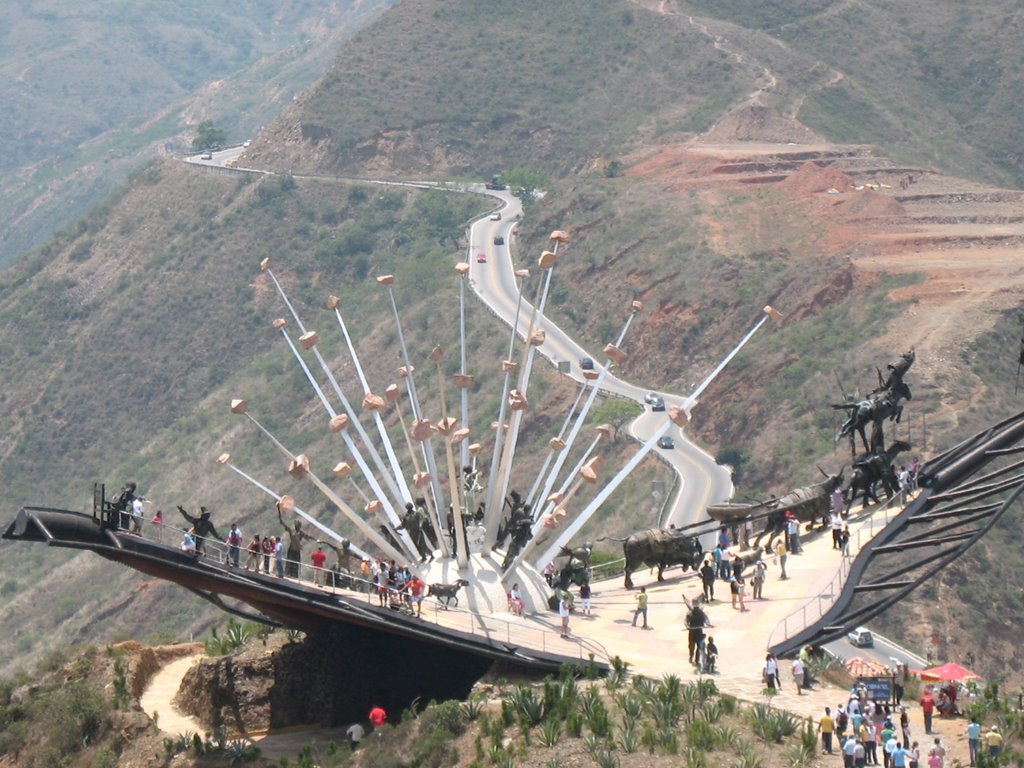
826,726
927,708
781,555
641,606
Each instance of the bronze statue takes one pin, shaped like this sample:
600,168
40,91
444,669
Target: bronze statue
883,403
295,538
204,528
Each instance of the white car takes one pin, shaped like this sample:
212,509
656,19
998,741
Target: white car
496,216
861,638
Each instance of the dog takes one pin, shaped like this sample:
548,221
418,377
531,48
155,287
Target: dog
447,593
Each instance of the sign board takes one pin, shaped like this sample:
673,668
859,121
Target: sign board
878,688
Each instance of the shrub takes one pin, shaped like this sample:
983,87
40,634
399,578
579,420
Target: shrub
448,715
699,735
433,749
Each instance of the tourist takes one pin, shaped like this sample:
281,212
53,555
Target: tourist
564,607
913,756
268,550
899,683
188,541
973,739
927,708
416,588
836,520
734,590
319,557
826,725
939,751
844,541
905,725
993,741
252,559
234,542
866,734
771,672
355,734
737,566
798,675
741,591
721,562
279,556
158,523
515,600
641,606
760,572
584,597
780,556
860,754
710,655
707,578
889,743
842,721
378,717
898,758
848,750
696,620
793,529
137,514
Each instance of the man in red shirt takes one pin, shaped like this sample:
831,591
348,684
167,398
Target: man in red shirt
319,557
927,707
378,716
415,587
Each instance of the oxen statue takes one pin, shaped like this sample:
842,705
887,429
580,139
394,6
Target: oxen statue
661,548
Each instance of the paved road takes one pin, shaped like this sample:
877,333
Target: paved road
883,651
702,480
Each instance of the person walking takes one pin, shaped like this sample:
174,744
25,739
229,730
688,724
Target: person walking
793,529
781,555
798,675
707,578
771,672
641,606
927,708
849,747
973,740
993,742
939,750
741,591
826,726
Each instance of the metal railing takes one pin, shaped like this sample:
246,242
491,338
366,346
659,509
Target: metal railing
532,633
816,607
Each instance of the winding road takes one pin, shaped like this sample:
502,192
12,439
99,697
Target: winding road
702,481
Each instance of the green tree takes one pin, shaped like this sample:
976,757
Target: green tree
736,458
526,185
616,412
208,136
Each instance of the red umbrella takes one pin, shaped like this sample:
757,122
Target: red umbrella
948,671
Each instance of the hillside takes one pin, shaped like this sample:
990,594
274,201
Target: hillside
91,93
693,174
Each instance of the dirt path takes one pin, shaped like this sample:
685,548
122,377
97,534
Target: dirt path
156,700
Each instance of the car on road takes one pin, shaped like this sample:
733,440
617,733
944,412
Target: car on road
496,216
861,637
650,397
657,403
481,258
247,142
666,442
207,155
586,364
499,240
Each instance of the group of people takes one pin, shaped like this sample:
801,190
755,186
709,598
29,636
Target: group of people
396,585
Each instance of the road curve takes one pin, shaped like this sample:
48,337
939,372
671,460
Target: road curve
702,481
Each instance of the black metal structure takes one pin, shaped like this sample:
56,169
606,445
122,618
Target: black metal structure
395,656
964,491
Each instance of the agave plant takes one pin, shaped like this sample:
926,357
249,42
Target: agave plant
629,738
550,732
695,757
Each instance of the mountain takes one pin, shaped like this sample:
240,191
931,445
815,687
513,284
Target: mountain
706,161
90,93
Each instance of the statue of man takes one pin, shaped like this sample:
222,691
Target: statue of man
204,528
414,522
295,538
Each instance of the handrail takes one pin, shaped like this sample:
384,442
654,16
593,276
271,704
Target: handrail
801,618
490,625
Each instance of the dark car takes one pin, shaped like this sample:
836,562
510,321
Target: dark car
499,240
666,442
586,364
657,404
